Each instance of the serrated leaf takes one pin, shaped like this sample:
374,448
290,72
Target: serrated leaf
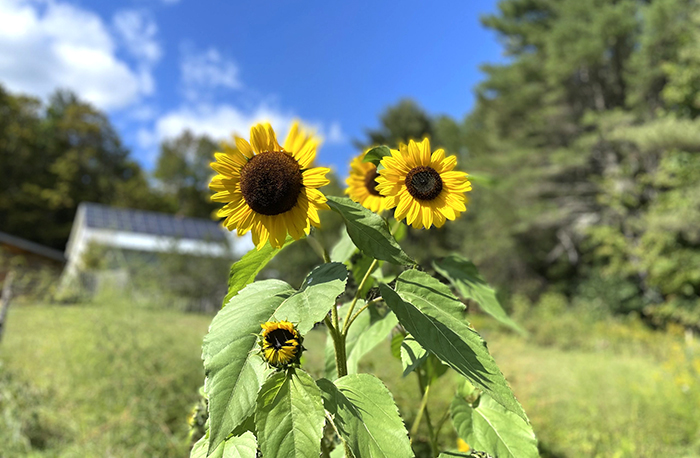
376,154
412,355
243,446
488,426
369,329
344,248
289,417
365,415
369,231
434,317
465,277
316,296
244,271
232,365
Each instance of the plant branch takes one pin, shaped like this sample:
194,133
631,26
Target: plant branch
346,323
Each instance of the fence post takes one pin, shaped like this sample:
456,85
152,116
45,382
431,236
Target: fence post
5,300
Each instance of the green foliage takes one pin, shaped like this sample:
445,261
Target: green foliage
375,155
244,446
183,170
365,416
234,370
369,231
55,157
244,271
486,425
465,278
435,318
289,416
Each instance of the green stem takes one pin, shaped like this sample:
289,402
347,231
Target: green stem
318,248
419,415
423,411
341,363
346,323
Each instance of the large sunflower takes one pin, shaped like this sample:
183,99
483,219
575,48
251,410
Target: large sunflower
362,184
269,189
281,343
422,186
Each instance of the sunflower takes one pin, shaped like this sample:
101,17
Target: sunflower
280,343
422,186
362,184
268,189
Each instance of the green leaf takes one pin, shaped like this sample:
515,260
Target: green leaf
234,370
365,415
488,426
369,329
380,326
343,249
289,417
316,296
466,279
233,367
243,446
369,231
376,154
435,318
244,271
396,342
412,355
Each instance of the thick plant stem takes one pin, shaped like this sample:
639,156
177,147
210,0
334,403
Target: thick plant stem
341,363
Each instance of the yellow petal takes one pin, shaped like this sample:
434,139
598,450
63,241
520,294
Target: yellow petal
316,177
244,147
424,148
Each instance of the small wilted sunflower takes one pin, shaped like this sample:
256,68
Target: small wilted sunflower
268,189
281,343
422,185
362,184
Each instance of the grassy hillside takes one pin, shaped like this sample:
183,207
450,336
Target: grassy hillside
113,380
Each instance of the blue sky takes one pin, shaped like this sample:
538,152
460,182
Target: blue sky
158,66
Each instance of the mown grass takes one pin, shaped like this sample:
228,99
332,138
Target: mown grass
116,380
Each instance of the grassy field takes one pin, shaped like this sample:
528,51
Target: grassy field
117,381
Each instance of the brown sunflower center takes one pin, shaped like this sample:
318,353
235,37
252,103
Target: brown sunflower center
271,182
278,338
424,183
371,181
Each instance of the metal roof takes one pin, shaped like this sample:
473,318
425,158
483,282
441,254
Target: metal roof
144,222
32,247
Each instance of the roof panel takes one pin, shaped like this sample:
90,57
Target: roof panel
123,219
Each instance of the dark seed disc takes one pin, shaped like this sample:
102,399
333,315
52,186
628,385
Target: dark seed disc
424,183
271,182
371,181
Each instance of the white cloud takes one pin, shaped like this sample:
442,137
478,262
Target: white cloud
56,45
335,134
138,31
204,71
219,122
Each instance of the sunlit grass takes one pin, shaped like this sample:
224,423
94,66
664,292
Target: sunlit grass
115,380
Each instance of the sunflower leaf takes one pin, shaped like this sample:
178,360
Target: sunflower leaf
344,249
232,365
412,355
289,417
243,446
369,231
486,425
244,271
435,318
465,277
376,154
366,416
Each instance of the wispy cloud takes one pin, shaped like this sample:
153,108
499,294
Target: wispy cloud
204,72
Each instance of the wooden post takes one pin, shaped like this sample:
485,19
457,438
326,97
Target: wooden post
5,300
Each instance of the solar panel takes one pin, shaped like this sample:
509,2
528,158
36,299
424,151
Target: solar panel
123,219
